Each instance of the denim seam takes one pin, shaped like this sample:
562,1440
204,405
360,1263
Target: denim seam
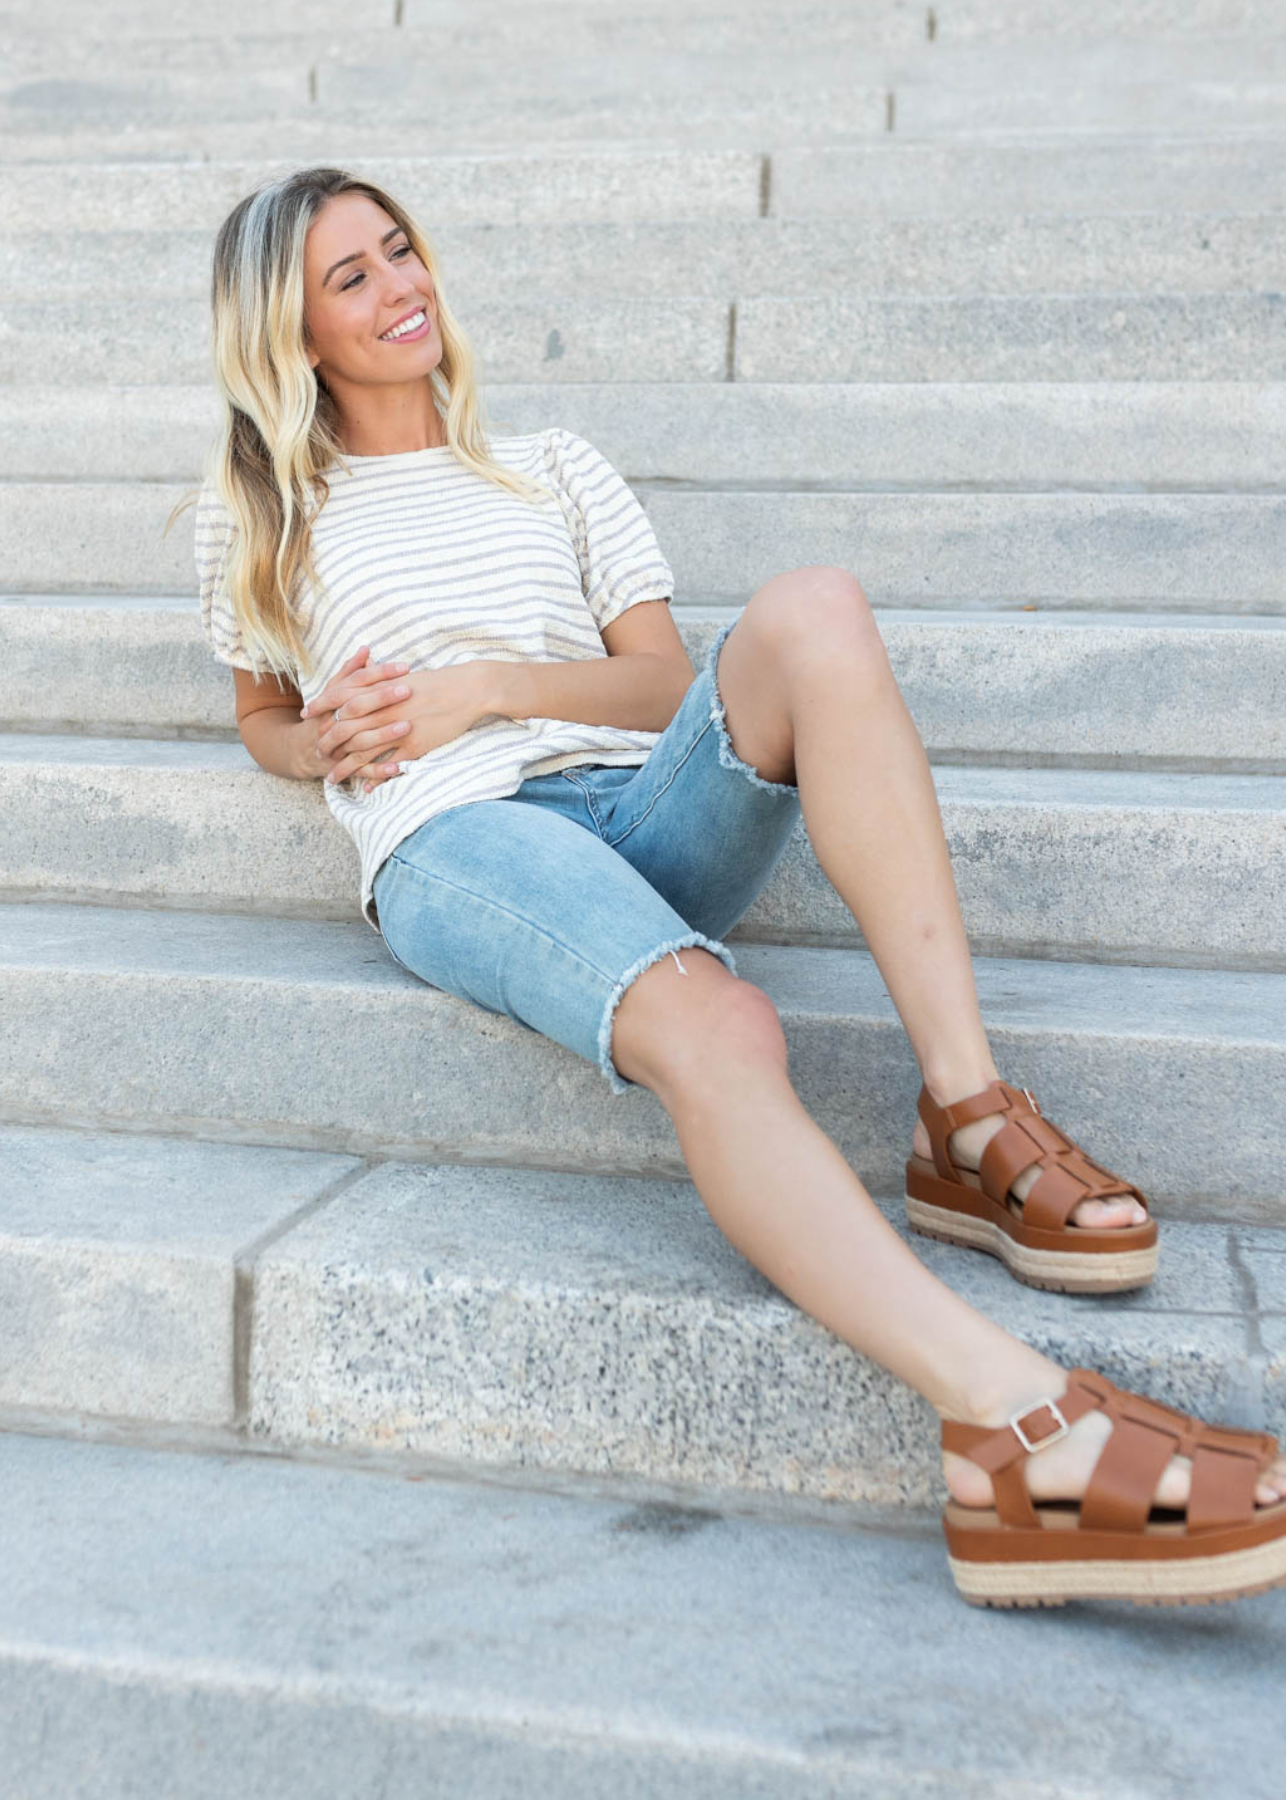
588,792
691,940
655,800
727,755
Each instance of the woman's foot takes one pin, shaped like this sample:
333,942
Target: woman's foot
967,1145
1062,1472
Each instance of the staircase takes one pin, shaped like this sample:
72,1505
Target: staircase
380,1410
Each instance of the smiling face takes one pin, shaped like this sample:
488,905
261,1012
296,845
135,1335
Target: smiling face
362,277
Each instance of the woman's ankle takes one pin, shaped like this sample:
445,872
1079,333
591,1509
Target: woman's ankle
946,1086
991,1397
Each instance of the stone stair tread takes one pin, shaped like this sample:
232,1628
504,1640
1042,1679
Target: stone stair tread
1112,865
709,610
752,47
924,545
250,1614
240,1012
1244,1006
976,784
1083,688
1072,252
527,1318
1138,435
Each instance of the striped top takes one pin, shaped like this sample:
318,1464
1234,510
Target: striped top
433,565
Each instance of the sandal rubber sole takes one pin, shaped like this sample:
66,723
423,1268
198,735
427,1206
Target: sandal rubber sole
1062,1271
1158,1567
1072,1260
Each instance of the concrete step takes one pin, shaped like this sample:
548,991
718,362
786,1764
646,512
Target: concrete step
964,21
728,50
1117,690
927,109
1109,82
1004,21
1148,436
264,112
1200,552
1069,864
575,185
108,36
523,1319
1073,338
1186,172
223,1026
1112,83
915,259
1074,341
998,177
310,1630
188,18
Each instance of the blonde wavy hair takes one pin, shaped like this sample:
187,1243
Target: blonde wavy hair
280,429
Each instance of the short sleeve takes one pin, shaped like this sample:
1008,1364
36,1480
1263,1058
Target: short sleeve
620,559
214,529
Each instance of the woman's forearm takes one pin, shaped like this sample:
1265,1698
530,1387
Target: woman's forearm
636,692
283,743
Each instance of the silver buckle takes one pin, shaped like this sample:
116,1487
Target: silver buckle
1031,1101
1040,1443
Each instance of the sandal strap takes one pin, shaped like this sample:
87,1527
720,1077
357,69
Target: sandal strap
999,1448
941,1121
1026,1138
1067,1175
1145,1435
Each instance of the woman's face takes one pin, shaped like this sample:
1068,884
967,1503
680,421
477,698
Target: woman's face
361,277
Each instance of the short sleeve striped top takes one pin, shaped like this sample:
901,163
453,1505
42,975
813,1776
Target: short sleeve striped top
433,565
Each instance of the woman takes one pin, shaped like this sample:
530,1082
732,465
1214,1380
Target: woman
550,807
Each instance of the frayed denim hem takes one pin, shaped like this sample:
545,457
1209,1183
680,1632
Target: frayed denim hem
727,755
692,940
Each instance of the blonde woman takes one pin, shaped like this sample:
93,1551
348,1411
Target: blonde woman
469,641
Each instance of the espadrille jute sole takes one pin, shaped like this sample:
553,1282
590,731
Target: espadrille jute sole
1177,1579
1065,1271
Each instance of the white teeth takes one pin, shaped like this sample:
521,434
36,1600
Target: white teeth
412,324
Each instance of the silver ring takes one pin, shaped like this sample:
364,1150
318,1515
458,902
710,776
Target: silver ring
336,718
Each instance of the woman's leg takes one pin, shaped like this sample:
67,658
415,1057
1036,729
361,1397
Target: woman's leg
810,698
711,1048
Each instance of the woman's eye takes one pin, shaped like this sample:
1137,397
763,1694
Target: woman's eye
401,250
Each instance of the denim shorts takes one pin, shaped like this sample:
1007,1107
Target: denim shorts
547,904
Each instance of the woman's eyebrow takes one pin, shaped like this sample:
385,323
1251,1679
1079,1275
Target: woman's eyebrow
357,255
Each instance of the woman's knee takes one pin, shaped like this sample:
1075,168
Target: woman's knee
815,613
667,1024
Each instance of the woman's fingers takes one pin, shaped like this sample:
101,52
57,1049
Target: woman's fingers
350,683
362,747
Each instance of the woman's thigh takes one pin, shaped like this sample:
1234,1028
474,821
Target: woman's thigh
521,910
702,827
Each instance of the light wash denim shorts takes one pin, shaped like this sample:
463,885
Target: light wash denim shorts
547,904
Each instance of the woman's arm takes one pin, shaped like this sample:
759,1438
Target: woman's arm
272,730
637,686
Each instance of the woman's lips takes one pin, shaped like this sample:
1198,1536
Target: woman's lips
411,337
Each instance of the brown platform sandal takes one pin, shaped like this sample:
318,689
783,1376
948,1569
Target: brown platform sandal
1112,1544
1037,1243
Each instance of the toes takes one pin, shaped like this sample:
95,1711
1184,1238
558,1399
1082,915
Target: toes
1108,1215
1272,1484
1175,1483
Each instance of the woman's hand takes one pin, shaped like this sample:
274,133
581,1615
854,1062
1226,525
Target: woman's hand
443,706
439,706
355,739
